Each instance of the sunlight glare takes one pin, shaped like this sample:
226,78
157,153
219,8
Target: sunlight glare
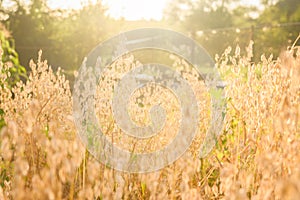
68,4
131,9
135,9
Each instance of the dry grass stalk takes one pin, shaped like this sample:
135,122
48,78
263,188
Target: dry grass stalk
256,157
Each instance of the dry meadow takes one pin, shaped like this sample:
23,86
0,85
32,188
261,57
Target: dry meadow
256,156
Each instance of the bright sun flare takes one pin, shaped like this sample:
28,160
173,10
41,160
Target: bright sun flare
136,9
129,9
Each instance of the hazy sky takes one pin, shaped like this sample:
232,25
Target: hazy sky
129,9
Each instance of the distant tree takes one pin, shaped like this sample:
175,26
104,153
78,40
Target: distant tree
204,20
64,36
78,33
217,24
279,26
31,27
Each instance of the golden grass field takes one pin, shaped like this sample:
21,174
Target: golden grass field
256,157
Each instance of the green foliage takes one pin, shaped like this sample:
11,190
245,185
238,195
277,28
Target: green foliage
217,24
10,57
273,37
79,33
9,66
2,121
66,37
208,22
31,27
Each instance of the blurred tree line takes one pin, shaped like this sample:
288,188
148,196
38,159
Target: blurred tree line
66,36
218,24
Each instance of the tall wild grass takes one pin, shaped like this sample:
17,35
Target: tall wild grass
256,157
